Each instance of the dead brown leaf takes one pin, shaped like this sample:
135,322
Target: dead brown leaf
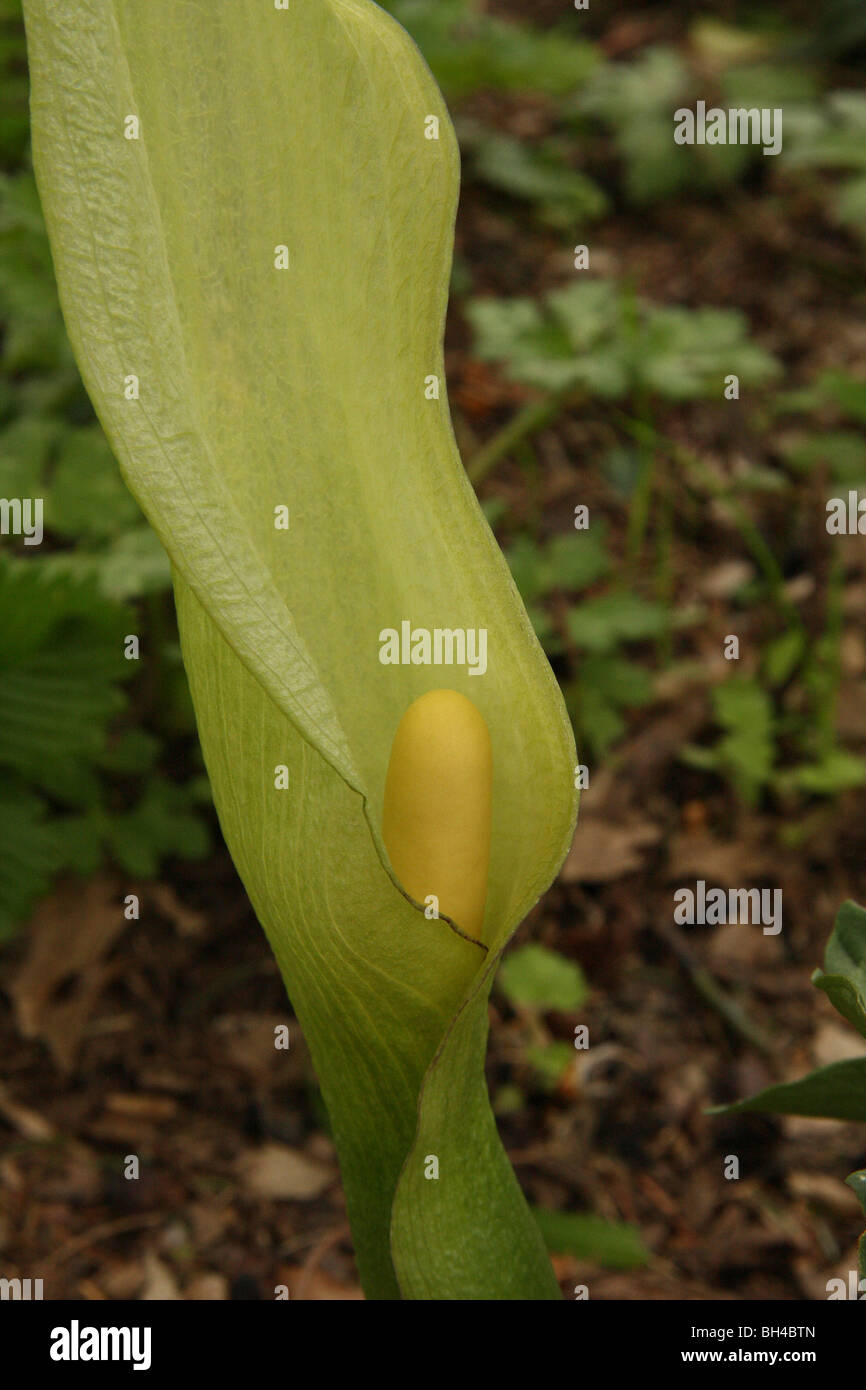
723,580
121,1279
56,991
186,920
730,863
207,1288
275,1170
741,947
247,1041
160,1285
835,1043
605,850
824,1191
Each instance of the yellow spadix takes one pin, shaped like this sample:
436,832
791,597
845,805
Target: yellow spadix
438,806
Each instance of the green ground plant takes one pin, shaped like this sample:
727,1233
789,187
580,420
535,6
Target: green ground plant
82,784
837,1091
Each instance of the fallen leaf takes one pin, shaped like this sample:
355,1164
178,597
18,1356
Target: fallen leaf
825,1191
160,1285
723,580
248,1041
207,1288
275,1170
56,991
604,850
186,920
733,864
121,1279
73,1177
90,1290
833,1043
741,947
209,1222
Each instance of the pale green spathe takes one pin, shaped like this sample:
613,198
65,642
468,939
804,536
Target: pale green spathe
308,387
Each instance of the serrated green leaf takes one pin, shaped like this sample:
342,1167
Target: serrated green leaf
577,559
468,48
551,1062
31,853
528,568
637,99
514,331
847,392
87,498
162,822
843,452
132,566
837,771
33,336
25,448
536,977
747,750
565,196
588,334
723,45
601,624
573,339
688,352
606,685
783,656
623,682
134,751
306,388
830,137
589,311
612,1244
81,840
770,84
61,662
837,1092
843,978
571,562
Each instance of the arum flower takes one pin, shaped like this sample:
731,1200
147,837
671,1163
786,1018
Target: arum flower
251,213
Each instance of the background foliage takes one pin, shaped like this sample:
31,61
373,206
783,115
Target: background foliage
566,140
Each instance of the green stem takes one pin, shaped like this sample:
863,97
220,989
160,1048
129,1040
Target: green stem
639,508
722,492
528,421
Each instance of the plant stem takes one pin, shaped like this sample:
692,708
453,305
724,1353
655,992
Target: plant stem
705,983
527,422
761,552
639,507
